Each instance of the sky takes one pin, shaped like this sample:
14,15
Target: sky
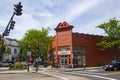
84,15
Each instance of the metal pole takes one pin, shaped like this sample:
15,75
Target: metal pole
8,25
28,65
37,60
84,65
7,28
36,64
72,62
3,34
28,58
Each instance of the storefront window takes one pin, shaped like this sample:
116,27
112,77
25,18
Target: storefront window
78,50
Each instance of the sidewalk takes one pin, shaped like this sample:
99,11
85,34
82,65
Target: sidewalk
31,69
80,69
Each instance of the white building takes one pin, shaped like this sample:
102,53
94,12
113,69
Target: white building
13,45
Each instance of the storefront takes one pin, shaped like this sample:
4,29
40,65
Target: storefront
79,56
77,49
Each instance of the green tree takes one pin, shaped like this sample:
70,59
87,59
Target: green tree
4,49
112,38
33,38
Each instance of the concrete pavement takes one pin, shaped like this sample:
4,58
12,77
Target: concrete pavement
31,69
51,72
79,69
47,71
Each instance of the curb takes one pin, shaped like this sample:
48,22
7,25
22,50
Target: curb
65,70
80,69
13,72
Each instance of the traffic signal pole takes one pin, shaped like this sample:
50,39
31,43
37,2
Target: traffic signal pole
17,12
7,30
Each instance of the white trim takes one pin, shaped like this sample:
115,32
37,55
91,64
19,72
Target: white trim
63,52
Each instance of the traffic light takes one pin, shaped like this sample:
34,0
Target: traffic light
6,33
12,24
18,9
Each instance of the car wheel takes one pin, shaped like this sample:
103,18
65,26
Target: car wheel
115,69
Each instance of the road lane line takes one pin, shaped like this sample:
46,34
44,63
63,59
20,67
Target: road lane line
56,76
93,76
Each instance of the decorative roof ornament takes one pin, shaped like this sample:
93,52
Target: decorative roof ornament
63,25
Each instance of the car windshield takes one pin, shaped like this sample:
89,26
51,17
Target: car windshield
113,61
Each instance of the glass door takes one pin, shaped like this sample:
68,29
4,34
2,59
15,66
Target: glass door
64,62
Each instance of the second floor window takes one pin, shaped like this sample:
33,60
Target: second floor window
15,51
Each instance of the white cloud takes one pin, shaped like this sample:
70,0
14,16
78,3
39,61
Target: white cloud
48,13
79,8
91,27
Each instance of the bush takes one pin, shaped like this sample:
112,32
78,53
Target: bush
49,63
19,65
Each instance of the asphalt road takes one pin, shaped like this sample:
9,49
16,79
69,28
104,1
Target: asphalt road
27,76
55,74
47,74
97,74
64,76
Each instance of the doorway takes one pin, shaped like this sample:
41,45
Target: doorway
64,62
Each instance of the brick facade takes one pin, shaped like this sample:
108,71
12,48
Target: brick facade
78,49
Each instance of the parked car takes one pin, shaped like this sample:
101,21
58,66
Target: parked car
4,64
113,65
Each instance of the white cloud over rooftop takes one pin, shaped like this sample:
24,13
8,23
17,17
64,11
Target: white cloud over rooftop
84,15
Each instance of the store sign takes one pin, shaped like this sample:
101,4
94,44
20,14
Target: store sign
63,52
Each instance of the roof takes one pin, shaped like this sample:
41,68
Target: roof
63,25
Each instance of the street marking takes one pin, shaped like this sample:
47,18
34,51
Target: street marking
56,76
93,76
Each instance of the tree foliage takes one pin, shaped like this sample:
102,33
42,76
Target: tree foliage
33,38
112,31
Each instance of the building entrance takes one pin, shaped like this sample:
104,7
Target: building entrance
64,61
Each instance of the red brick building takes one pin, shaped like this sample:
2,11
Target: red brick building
77,49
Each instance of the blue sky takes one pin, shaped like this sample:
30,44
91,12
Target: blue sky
84,15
